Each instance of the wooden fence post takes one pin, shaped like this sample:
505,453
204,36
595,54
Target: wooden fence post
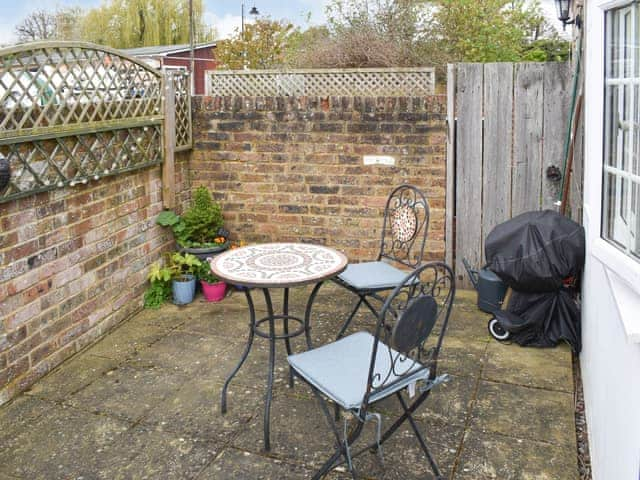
449,237
168,166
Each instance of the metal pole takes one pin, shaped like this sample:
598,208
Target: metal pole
191,48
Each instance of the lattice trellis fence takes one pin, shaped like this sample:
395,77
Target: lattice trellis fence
182,82
323,83
72,113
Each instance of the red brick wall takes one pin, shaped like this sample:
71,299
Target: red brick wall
291,169
73,264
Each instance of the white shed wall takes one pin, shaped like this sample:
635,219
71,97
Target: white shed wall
610,358
611,378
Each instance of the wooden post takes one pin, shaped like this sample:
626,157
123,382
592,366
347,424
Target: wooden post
449,237
566,181
168,166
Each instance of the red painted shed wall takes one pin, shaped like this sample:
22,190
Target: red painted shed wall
204,60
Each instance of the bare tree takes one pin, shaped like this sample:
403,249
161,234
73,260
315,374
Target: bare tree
38,25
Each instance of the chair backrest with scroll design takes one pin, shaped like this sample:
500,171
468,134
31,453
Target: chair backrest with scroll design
405,227
410,330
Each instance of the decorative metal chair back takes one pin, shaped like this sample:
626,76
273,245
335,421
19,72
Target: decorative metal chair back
412,323
405,227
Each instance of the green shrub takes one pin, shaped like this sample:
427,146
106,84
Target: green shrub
201,224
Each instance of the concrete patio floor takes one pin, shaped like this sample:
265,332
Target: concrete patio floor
143,403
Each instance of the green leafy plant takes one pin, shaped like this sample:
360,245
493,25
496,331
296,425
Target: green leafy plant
201,224
205,274
157,294
181,264
159,290
173,266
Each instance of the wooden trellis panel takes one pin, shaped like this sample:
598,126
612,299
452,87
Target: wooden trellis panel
184,136
71,113
368,82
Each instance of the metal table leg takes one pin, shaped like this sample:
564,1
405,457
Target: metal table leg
272,358
272,337
252,320
307,314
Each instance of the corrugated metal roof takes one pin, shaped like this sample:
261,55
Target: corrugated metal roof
162,50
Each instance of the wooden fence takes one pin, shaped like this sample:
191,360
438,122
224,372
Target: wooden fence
506,137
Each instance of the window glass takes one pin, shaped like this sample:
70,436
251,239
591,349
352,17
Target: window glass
621,176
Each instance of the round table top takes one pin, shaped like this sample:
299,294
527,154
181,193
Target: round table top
278,264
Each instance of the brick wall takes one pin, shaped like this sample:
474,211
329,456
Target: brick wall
72,265
291,169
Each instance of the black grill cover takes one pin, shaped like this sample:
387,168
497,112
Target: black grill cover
533,254
542,319
536,251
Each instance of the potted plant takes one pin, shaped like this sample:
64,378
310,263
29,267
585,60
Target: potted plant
199,230
212,287
159,290
183,267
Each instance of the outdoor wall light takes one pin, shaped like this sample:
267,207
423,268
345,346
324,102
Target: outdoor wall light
563,7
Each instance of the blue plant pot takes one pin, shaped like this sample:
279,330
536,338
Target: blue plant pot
184,290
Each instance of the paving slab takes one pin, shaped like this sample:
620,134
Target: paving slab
72,376
236,464
527,413
145,453
450,402
534,367
488,457
185,352
4,476
462,357
62,444
144,402
128,340
128,392
195,410
299,431
19,415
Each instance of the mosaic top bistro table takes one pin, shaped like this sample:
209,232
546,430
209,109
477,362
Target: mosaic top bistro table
269,266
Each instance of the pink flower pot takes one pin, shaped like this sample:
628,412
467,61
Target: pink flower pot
213,292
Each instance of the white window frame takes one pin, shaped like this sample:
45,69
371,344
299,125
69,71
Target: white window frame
622,224
623,272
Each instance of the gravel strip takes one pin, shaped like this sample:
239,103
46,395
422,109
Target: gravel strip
582,436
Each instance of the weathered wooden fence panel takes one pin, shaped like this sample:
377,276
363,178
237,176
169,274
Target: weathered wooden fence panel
527,142
510,124
497,145
469,163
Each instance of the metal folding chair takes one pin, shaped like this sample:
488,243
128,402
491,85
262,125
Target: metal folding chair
361,369
404,235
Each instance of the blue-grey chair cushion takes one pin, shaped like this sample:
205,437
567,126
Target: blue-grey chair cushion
340,369
372,275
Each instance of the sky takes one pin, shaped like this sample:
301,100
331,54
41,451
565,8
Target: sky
224,15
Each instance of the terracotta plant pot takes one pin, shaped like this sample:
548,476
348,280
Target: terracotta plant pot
213,292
